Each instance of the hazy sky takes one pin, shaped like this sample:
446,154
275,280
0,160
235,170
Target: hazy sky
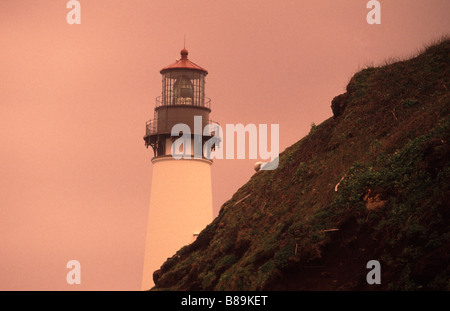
75,175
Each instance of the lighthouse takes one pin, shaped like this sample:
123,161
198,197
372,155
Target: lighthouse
180,197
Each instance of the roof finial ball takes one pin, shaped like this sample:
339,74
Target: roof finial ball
184,53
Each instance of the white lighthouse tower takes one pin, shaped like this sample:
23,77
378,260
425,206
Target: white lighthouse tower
180,197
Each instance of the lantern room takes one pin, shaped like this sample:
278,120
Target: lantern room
183,83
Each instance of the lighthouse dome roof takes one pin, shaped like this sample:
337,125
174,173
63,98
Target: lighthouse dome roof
183,63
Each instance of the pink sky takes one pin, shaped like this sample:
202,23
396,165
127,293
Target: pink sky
74,172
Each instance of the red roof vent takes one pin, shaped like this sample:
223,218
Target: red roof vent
184,53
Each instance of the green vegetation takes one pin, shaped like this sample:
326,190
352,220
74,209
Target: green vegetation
288,229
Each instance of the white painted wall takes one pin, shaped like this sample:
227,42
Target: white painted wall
180,205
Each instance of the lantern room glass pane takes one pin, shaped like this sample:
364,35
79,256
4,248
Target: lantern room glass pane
183,87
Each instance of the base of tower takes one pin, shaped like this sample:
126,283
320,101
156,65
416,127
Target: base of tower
180,207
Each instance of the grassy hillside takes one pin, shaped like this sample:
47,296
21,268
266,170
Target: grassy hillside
387,146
